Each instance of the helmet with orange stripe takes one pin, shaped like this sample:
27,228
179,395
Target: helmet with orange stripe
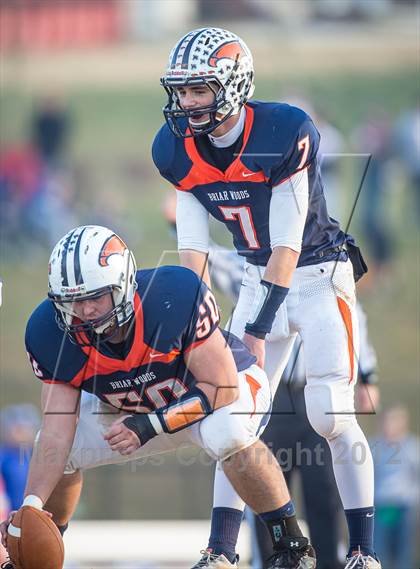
217,59
88,263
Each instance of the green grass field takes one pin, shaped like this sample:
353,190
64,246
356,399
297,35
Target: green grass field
113,174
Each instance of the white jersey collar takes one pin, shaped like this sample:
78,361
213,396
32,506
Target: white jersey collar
232,135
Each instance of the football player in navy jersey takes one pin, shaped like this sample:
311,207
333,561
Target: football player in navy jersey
147,345
253,166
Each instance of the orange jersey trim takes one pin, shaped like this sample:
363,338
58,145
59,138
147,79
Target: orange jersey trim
204,173
140,353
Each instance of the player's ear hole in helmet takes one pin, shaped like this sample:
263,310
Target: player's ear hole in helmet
218,59
87,263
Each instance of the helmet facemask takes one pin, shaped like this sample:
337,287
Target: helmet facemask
175,115
100,329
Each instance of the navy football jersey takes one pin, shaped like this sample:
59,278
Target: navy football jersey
174,312
278,140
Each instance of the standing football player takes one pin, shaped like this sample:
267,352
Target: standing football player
147,345
253,166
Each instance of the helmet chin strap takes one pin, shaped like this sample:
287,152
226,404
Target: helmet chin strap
212,121
112,336
119,333
108,325
198,127
232,135
199,123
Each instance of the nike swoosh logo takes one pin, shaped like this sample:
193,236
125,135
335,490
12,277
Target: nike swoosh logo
245,175
155,355
370,515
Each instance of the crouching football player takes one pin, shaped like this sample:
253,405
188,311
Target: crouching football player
147,345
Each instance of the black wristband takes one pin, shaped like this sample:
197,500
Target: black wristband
142,426
187,410
271,297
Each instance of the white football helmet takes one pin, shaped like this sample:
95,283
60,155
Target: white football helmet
86,263
217,58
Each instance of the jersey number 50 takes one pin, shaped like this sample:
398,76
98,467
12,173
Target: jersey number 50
131,400
209,315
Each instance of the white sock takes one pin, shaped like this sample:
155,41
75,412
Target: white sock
353,468
225,495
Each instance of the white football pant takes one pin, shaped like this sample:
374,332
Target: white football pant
321,308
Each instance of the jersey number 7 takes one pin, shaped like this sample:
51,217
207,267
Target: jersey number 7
244,216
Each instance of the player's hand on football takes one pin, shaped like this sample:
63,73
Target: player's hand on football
5,524
257,347
4,558
122,439
3,528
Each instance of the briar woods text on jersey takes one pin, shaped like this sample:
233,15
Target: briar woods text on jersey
144,378
229,194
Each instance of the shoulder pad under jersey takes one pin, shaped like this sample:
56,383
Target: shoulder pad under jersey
52,354
169,156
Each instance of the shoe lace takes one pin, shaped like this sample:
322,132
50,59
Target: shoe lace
357,560
206,557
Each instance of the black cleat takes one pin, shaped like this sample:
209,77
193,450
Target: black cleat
293,553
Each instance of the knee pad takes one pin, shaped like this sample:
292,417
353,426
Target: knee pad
330,408
226,436
237,426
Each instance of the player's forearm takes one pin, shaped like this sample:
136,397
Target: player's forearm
48,462
196,405
197,262
214,368
288,212
272,291
281,266
192,407
222,395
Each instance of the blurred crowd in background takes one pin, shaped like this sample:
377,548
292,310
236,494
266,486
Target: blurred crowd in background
86,23
41,182
38,179
36,190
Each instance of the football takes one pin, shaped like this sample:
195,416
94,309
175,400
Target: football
34,541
